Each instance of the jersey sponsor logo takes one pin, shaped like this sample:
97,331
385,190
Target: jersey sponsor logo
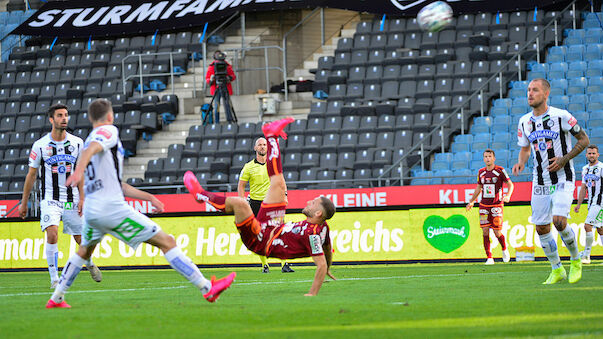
543,133
60,158
483,211
46,218
315,244
94,186
104,132
33,155
544,189
54,203
496,211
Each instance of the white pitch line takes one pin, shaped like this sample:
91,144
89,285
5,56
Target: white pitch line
277,282
258,283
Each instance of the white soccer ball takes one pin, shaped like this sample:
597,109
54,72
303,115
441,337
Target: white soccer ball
435,16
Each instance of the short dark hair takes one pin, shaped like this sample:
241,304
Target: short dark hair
54,107
545,83
99,108
488,150
593,146
328,207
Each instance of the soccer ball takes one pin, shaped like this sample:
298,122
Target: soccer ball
435,16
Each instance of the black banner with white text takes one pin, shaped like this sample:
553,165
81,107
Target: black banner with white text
83,18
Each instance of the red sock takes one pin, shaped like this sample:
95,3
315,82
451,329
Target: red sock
502,241
216,200
487,246
274,164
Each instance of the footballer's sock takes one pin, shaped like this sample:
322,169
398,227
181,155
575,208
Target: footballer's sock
274,164
217,200
187,269
52,256
502,241
263,260
569,239
590,237
487,246
549,246
70,271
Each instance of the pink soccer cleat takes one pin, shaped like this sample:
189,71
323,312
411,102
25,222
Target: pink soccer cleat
219,286
193,186
52,304
275,128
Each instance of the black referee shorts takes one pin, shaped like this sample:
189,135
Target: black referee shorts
255,205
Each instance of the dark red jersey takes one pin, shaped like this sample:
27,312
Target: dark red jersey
492,182
298,240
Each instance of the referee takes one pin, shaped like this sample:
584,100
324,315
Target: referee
256,174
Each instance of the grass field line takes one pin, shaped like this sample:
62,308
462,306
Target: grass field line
276,282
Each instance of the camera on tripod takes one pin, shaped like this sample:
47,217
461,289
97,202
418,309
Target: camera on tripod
220,69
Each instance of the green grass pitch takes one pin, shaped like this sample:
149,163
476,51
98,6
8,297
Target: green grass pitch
377,301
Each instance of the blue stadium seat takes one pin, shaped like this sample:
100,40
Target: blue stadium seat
499,111
501,123
558,86
441,173
440,165
575,53
557,70
557,54
559,101
459,147
475,165
593,52
593,35
465,176
463,138
577,85
443,157
461,160
595,85
504,102
582,117
594,68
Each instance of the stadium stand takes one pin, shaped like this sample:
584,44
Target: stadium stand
386,89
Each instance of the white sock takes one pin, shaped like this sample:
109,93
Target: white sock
52,256
69,273
187,269
590,237
569,239
549,246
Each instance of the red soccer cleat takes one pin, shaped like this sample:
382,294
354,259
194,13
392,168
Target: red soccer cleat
275,128
52,304
219,286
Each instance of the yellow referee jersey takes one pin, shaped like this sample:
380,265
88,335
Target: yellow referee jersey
257,175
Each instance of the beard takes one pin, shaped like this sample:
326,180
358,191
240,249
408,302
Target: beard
262,154
306,212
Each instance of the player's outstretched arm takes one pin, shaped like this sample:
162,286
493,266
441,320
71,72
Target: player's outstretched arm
476,192
581,196
83,161
522,159
135,193
319,275
27,187
326,248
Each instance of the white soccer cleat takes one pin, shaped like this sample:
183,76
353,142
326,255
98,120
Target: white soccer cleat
95,273
506,256
584,258
54,284
490,261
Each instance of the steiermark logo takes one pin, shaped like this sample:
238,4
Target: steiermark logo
446,235
128,229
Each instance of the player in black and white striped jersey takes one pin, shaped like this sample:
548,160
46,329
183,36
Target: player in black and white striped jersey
592,182
547,130
54,156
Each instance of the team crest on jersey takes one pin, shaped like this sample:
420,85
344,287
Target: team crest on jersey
61,169
494,180
550,123
70,148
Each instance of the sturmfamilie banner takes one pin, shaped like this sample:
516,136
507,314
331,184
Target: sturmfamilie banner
82,18
368,236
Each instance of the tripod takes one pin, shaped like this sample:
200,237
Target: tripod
221,92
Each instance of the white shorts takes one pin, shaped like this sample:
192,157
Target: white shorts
551,200
52,211
118,219
595,216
